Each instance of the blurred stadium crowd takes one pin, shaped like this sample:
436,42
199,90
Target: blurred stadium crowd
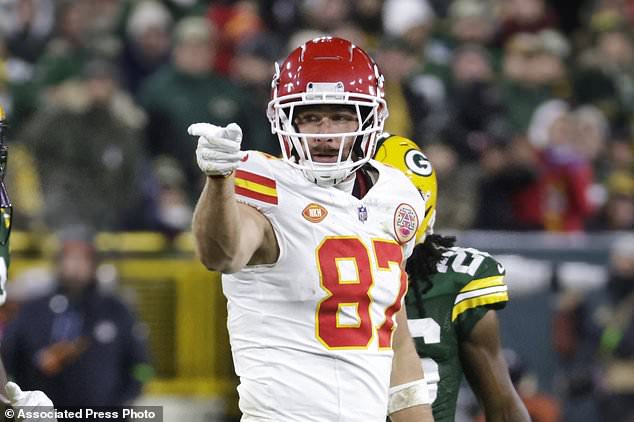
523,106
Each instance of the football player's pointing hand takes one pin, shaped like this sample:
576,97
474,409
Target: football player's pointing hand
218,152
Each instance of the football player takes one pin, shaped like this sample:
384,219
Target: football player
14,395
451,303
312,248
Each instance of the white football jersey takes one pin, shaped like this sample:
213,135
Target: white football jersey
311,335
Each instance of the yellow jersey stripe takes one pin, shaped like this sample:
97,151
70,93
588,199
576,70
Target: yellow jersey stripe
496,280
489,299
255,187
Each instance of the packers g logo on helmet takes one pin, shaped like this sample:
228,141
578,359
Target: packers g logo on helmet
406,156
418,163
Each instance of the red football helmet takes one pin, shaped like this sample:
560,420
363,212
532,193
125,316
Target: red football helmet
328,70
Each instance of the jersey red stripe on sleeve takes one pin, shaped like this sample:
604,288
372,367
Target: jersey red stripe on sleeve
256,178
256,195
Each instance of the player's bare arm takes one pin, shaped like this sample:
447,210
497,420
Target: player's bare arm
407,383
228,235
488,375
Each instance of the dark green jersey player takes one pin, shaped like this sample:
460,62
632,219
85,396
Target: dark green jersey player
451,304
443,307
14,395
5,211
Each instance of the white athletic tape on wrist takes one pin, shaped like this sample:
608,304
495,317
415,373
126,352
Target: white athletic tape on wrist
407,395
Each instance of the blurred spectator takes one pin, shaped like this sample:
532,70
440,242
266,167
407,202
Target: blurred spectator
509,187
566,173
368,15
469,22
569,14
605,14
473,22
18,95
234,22
106,18
620,151
183,8
174,213
525,83
147,45
88,151
348,30
518,16
617,213
605,76
82,346
410,20
282,17
456,187
72,45
27,26
417,100
548,66
252,68
31,284
185,91
325,15
599,328
477,115
593,135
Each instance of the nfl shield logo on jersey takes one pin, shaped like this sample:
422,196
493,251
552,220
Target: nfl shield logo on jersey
405,223
363,213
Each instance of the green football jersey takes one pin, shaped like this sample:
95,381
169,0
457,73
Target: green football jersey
443,311
5,231
5,209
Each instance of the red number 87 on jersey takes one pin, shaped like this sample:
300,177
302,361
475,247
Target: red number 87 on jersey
347,275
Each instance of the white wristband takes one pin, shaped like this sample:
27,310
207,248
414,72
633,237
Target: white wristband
407,395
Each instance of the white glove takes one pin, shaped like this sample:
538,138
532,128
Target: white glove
218,152
33,401
17,397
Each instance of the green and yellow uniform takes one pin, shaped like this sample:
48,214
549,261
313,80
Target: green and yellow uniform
443,309
5,230
5,211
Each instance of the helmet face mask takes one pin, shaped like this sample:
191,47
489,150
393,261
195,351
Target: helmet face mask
328,72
